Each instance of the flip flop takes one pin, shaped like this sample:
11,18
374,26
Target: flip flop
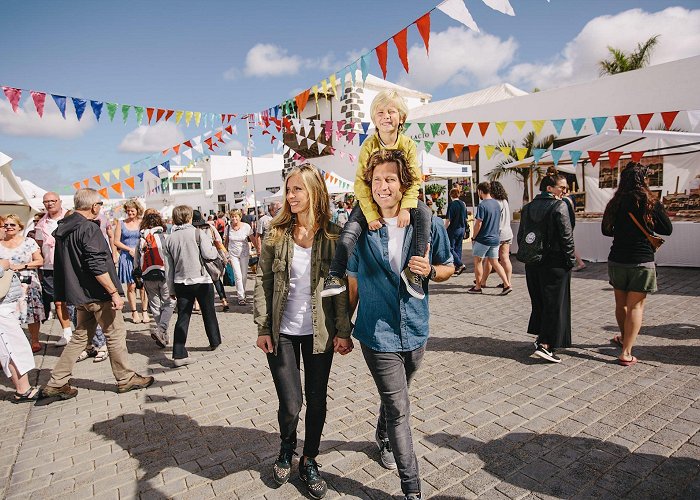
627,362
616,340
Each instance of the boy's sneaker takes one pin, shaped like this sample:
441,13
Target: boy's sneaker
308,472
414,283
386,454
282,468
332,285
547,354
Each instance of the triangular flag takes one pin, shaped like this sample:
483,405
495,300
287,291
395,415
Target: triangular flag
332,83
644,119
111,110
197,117
76,185
636,156
668,117
302,99
537,154
458,149
450,127
483,127
593,156
459,12
423,25
149,114
159,114
621,121
86,182
558,124
400,42
154,170
489,149
473,151
139,115
176,148
428,145
575,157
364,67
520,153
168,114
188,117
116,172
13,95
537,126
599,123
140,176
353,70
501,126
117,187
106,176
129,182
127,168
501,6
96,109
363,138
467,127
380,50
421,126
577,124
166,164
60,101
520,124
506,150
125,112
97,180
435,128
188,144
442,146
103,192
39,98
178,117
556,155
614,157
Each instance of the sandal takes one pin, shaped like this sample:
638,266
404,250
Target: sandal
627,362
145,318
241,302
617,339
32,394
88,353
225,307
100,355
135,317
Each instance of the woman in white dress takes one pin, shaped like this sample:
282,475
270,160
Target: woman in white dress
238,237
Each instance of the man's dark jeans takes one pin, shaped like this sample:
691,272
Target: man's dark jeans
285,372
456,240
392,373
186,295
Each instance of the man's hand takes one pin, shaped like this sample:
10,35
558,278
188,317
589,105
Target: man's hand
420,265
117,302
404,218
374,225
264,342
342,346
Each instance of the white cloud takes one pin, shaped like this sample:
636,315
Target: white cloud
26,121
266,59
458,56
151,138
578,61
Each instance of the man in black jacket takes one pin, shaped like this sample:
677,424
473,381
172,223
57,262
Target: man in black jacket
84,275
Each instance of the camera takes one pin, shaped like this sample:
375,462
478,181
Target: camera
25,279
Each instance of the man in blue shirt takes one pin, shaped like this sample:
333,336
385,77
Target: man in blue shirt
456,223
392,325
486,239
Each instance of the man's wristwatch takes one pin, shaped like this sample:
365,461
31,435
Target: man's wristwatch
433,272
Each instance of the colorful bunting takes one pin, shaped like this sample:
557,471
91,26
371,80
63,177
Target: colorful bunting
60,101
111,110
537,154
423,25
117,188
159,114
96,109
129,182
537,126
467,127
558,125
125,112
614,157
197,117
302,99
188,117
593,156
575,157
556,156
401,47
450,127
520,124
505,150
599,123
458,149
96,179
520,153
473,151
458,11
501,126
39,98
483,127
139,115
501,6
621,121
636,156
79,105
103,192
428,146
76,185
668,117
380,50
13,95
442,146
489,149
435,128
577,124
644,119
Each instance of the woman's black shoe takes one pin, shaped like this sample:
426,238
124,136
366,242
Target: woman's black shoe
282,468
308,472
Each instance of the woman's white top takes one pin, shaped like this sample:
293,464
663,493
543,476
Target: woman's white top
505,232
238,240
296,319
396,237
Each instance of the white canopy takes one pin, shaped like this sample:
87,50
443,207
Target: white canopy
13,198
437,168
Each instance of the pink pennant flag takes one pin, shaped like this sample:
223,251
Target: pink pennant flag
38,98
13,96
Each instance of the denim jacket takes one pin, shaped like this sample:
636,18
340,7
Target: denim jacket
329,315
388,318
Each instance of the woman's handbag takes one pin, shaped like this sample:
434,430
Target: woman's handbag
137,274
655,241
214,267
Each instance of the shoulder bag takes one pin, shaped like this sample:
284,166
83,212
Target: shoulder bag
655,241
216,266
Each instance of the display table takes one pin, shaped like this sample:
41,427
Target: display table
682,248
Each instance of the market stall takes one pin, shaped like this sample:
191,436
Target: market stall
13,198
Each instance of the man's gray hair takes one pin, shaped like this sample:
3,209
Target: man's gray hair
85,198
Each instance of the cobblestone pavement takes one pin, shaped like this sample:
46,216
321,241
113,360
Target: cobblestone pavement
489,421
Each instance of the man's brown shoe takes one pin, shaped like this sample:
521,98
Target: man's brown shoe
64,392
135,382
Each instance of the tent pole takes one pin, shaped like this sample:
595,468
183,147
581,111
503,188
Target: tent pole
252,171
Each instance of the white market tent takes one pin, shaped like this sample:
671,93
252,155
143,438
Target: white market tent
13,198
437,168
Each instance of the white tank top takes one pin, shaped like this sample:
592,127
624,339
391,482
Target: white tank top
296,319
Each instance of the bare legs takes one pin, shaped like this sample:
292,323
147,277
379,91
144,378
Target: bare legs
629,313
131,298
144,305
21,382
504,260
62,314
482,269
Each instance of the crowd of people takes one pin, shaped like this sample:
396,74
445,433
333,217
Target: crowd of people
325,279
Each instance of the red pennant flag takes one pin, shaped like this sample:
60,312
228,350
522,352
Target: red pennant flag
86,182
302,99
97,180
621,121
644,119
229,129
467,127
14,94
76,185
169,114
442,146
159,114
208,143
39,98
188,144
149,113
483,127
218,135
473,151
614,157
594,155
400,42
103,192
423,25
458,149
668,117
117,187
381,57
130,182
450,127
636,156
223,117
176,149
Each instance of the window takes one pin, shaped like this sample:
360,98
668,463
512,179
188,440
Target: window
272,189
187,185
221,198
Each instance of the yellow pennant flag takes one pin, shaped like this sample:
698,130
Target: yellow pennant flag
324,86
537,125
106,176
501,126
521,152
520,124
333,84
178,117
505,150
489,149
116,172
188,117
314,89
197,117
127,169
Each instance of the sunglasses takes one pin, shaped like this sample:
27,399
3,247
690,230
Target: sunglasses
9,225
50,201
99,203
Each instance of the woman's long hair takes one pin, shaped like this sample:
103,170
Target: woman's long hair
319,204
498,192
632,187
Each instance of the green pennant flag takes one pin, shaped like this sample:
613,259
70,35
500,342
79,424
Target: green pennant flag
111,110
435,128
139,114
421,126
406,125
125,112
428,146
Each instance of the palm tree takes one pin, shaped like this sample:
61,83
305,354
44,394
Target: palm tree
523,172
622,61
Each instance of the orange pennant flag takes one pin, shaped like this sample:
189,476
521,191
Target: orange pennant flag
614,157
76,185
117,187
594,155
458,149
483,127
159,114
423,25
169,114
450,127
442,146
467,127
103,192
149,113
97,180
473,151
165,151
219,134
636,156
381,57
86,182
130,182
400,42
302,99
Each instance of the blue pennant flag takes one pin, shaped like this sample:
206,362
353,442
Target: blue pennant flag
558,124
140,176
166,165
96,108
79,105
575,157
60,101
365,126
154,171
599,123
537,153
353,70
577,123
277,110
362,137
364,67
556,155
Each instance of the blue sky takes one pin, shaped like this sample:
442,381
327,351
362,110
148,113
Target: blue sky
237,57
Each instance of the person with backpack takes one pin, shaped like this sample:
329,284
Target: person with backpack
546,247
151,261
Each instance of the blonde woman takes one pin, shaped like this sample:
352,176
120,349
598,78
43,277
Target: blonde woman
126,238
295,321
237,240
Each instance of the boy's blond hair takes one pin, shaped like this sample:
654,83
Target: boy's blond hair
390,98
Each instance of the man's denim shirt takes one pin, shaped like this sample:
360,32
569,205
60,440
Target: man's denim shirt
389,319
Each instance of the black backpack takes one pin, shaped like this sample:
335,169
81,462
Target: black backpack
535,233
